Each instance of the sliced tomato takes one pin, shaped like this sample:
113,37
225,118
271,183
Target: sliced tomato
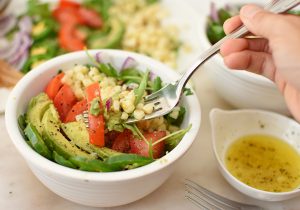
90,17
122,141
110,138
64,101
67,15
54,85
77,109
140,147
96,123
69,4
68,12
68,39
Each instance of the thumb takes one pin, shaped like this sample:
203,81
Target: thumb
259,21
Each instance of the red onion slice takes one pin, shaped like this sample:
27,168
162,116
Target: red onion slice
214,12
108,104
6,24
152,76
26,43
129,63
25,24
102,57
21,61
11,48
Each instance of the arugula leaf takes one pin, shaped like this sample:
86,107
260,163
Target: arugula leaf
139,92
172,140
223,16
38,10
131,75
132,128
130,72
157,84
108,69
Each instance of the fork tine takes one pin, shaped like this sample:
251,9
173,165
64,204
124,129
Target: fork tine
156,94
224,202
200,195
200,201
152,96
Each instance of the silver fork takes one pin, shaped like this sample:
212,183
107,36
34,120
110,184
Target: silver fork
206,199
168,97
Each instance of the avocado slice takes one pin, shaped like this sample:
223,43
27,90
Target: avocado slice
111,40
79,136
56,140
36,109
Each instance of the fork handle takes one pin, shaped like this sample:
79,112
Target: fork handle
275,6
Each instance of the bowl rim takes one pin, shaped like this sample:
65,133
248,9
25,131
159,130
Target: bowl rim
33,157
249,190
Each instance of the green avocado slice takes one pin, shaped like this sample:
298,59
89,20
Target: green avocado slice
36,109
79,136
113,39
56,140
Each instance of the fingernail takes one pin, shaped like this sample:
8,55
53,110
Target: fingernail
249,11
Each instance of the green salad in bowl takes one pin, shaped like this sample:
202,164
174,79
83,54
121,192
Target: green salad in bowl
67,118
218,16
79,120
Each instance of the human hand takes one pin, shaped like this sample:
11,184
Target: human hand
276,55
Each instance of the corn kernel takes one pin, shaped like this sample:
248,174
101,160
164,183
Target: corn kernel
148,108
127,106
138,114
124,116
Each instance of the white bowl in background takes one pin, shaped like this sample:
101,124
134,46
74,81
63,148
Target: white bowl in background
242,89
93,188
227,126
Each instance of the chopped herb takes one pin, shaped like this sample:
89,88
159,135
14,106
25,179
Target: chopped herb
139,92
157,84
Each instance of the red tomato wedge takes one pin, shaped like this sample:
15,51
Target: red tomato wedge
77,109
67,15
90,17
64,101
122,142
96,123
54,85
67,12
140,147
67,3
68,39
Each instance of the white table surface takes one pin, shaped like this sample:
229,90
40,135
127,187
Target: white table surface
20,190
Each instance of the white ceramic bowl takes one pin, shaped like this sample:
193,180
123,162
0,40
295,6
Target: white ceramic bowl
242,89
227,126
91,188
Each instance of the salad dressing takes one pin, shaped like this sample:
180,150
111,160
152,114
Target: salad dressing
264,162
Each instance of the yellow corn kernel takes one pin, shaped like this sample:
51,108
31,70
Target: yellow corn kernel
124,116
148,108
138,114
